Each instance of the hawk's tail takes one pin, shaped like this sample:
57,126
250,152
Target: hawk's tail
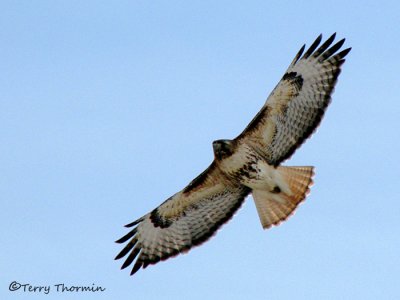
277,205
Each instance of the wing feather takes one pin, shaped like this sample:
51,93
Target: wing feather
313,47
187,219
297,104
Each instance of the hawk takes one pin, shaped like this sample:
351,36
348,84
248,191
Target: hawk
248,164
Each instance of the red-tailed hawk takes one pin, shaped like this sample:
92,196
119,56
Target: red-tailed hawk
248,164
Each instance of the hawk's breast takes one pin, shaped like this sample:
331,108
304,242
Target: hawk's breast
245,166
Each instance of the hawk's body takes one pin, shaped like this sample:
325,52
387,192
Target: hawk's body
248,164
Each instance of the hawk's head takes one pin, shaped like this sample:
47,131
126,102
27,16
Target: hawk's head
223,148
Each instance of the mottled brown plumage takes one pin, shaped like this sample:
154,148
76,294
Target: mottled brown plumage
249,164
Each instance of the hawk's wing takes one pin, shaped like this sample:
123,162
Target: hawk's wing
187,219
297,104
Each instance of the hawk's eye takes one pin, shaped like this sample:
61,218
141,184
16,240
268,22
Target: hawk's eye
222,148
226,150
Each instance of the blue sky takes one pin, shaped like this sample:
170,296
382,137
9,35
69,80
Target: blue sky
108,108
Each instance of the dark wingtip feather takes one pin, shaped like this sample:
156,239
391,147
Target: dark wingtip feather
134,223
313,46
328,53
325,45
130,258
126,236
136,267
343,53
332,37
298,55
127,248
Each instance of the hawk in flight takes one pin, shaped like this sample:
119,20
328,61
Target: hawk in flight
248,164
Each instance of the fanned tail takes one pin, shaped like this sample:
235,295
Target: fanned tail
276,206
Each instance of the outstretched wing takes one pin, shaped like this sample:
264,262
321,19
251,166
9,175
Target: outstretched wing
297,104
187,219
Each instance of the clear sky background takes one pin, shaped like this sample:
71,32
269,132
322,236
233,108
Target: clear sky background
109,107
